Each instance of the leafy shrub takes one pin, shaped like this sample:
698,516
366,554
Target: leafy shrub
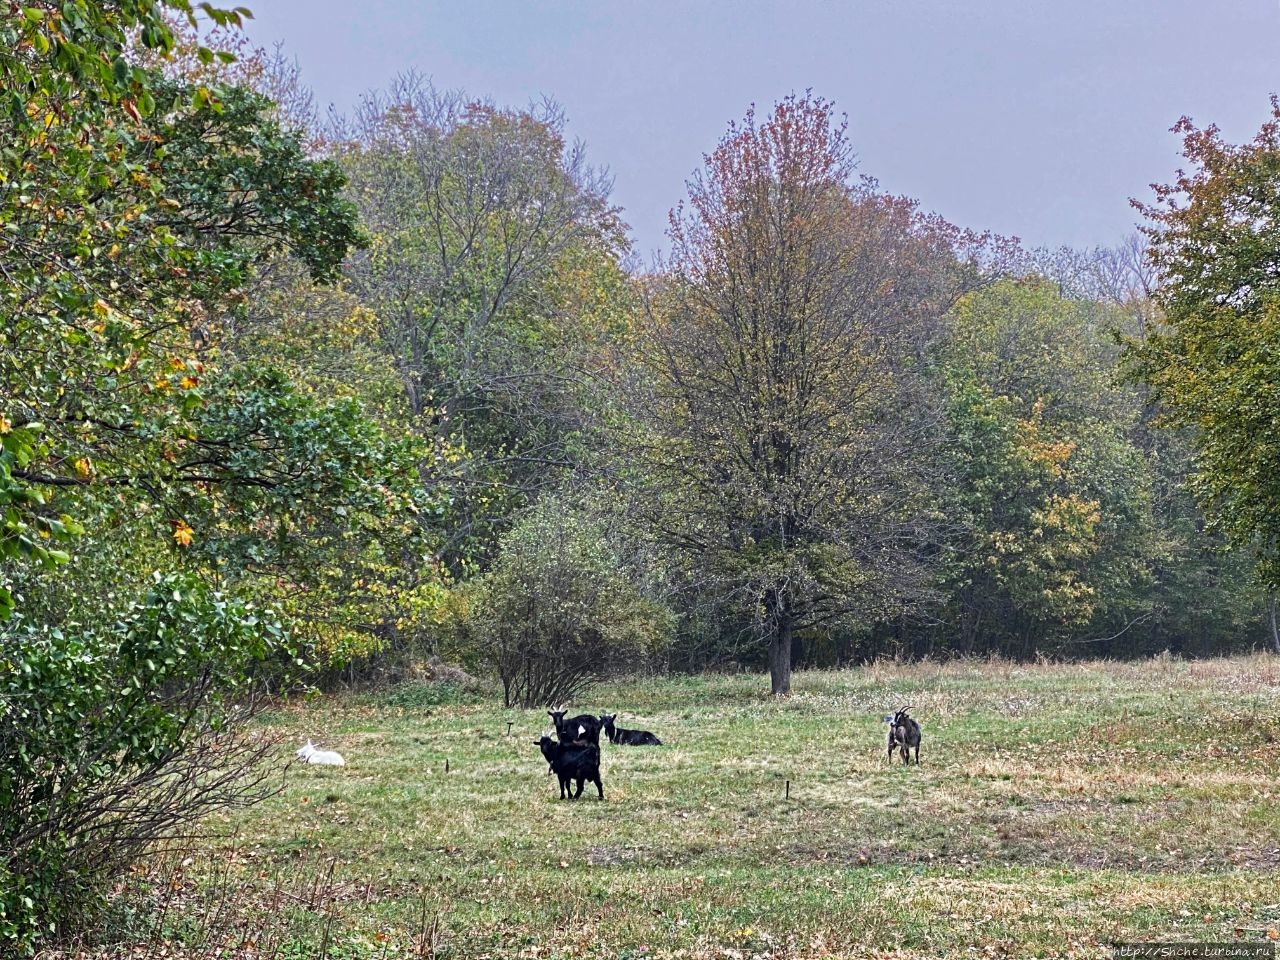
416,696
558,610
112,739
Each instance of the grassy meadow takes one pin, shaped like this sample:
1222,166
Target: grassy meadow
1058,808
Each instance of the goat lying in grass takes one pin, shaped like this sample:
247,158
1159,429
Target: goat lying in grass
630,738
583,728
904,733
571,761
327,758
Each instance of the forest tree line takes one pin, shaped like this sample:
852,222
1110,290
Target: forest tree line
398,376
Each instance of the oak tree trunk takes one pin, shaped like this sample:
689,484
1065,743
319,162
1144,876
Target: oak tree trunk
780,656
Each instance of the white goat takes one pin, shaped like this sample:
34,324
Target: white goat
327,758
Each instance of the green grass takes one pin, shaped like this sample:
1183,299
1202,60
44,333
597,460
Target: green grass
1058,808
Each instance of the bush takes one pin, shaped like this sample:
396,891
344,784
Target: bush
421,696
558,610
116,738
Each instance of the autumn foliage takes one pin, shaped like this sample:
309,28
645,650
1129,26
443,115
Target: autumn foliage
1215,239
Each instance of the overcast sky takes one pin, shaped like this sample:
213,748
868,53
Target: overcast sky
1034,118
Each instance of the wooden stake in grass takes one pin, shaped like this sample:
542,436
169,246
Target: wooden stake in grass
446,764
788,789
509,722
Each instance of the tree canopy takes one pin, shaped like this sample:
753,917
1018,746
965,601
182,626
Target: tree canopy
1211,363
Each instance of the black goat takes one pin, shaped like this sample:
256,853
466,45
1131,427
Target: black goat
583,728
904,733
580,762
630,738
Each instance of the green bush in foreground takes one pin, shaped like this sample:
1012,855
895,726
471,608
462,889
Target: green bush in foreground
112,739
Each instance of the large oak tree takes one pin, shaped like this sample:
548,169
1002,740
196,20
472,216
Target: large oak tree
779,447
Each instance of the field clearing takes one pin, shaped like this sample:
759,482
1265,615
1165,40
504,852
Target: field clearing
1058,808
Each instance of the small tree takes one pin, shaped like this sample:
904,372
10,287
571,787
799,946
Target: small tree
558,611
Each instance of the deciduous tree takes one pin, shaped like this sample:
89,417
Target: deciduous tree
1212,363
493,260
778,453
